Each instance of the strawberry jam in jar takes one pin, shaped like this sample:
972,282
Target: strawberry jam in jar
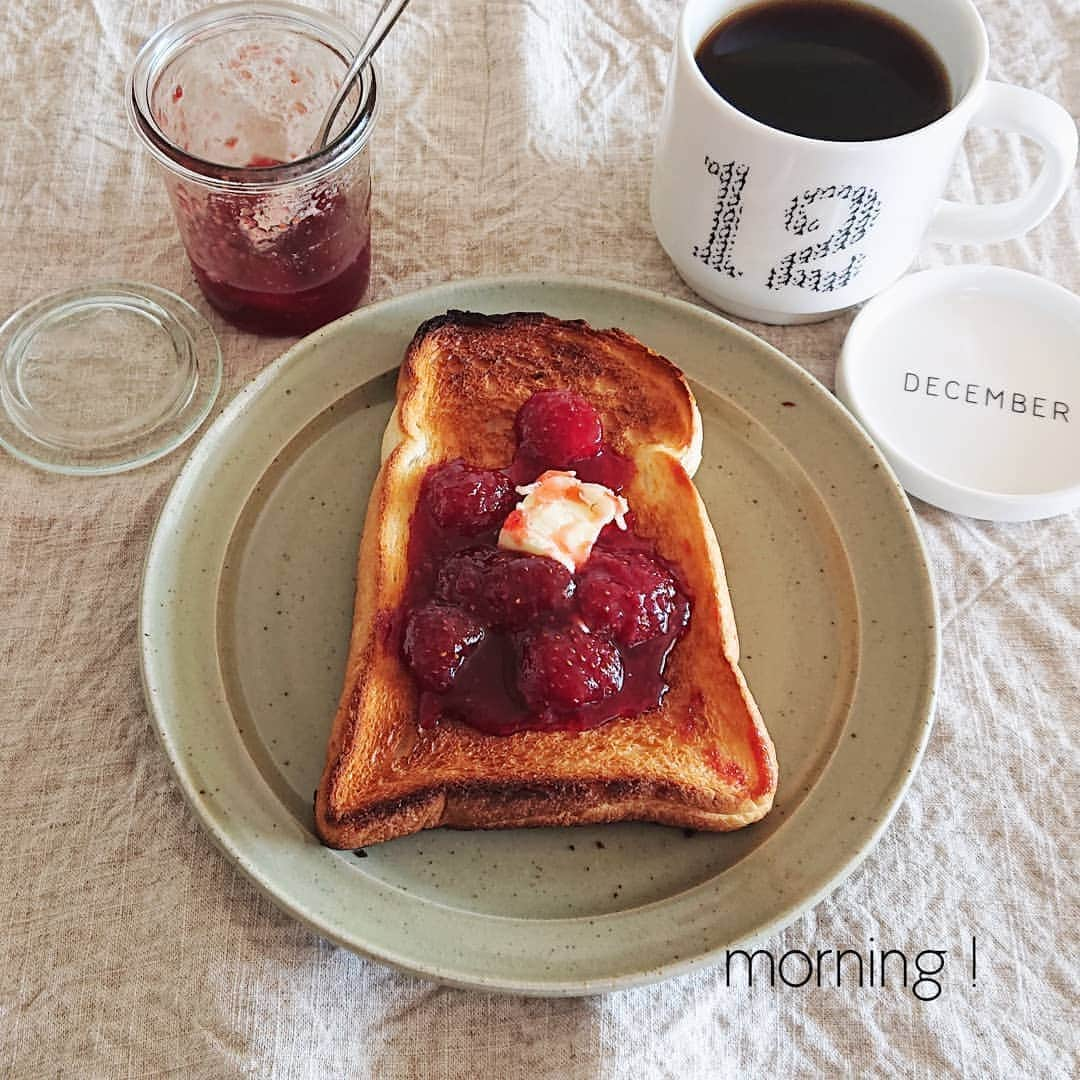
228,101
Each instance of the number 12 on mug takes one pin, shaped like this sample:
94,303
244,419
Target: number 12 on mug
718,247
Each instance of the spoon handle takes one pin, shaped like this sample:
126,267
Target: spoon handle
388,15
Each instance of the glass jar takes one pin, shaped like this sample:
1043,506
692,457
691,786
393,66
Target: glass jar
228,101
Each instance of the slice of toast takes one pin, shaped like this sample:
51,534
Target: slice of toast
702,759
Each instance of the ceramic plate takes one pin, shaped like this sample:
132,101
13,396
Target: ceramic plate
246,609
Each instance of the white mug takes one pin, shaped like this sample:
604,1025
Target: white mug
781,228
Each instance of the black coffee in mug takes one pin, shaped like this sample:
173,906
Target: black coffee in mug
827,69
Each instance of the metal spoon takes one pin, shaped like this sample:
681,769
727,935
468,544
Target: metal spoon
388,15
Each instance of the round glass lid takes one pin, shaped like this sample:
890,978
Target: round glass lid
105,378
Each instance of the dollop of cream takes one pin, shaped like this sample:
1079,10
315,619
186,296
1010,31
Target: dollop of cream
560,517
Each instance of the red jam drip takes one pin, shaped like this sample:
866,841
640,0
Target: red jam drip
483,695
485,692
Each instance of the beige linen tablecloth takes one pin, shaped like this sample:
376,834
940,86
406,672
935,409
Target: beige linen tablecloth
516,136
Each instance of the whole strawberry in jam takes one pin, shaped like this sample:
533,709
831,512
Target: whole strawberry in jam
630,596
506,589
468,499
462,578
439,638
557,427
522,588
567,667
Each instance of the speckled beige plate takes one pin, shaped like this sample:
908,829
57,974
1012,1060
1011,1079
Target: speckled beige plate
245,616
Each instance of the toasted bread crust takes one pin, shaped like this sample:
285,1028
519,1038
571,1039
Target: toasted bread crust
703,759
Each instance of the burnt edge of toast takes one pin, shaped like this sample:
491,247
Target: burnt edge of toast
540,789
456,317
460,317
544,799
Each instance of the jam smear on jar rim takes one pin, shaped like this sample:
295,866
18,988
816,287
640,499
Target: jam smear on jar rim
594,673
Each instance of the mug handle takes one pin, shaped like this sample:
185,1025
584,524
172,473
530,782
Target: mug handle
1012,108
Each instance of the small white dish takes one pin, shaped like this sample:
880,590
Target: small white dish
968,380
